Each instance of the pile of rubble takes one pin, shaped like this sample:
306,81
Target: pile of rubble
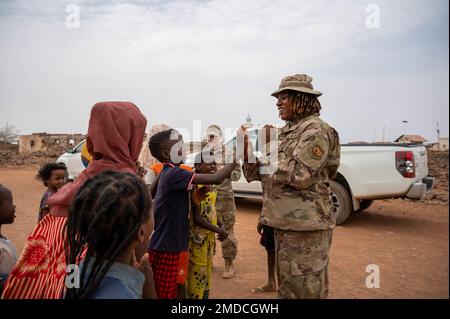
438,167
13,158
438,163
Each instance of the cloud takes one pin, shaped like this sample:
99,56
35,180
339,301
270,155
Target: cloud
215,60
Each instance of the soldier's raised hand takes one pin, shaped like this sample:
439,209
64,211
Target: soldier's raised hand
266,133
242,136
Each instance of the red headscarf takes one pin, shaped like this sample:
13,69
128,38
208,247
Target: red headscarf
115,135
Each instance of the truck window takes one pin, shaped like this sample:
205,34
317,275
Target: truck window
78,148
253,135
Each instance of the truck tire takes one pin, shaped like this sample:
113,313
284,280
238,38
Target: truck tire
364,204
342,202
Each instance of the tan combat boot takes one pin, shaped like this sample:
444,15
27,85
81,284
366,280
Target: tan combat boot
228,272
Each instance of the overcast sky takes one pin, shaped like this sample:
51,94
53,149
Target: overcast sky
217,61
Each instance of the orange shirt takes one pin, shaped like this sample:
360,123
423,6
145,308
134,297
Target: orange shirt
157,168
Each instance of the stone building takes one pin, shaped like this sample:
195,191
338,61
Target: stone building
441,146
411,139
50,144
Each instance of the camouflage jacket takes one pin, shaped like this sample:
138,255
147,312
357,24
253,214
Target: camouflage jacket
296,194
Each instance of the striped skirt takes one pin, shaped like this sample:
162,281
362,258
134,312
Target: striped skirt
41,268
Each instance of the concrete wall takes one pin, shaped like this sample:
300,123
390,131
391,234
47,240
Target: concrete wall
443,144
51,144
30,144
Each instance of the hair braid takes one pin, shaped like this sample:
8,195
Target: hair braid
103,221
304,104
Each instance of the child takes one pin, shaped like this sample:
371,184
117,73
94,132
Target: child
152,166
53,175
109,217
170,238
114,138
8,254
201,240
152,174
268,242
252,173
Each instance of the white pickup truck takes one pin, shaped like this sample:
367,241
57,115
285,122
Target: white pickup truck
367,172
72,159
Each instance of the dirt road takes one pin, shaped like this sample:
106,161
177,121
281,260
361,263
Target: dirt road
408,241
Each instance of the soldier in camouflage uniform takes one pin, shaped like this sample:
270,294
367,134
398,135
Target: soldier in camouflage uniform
225,205
297,201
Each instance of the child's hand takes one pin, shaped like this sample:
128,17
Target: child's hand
134,261
45,210
242,136
148,291
141,171
222,235
259,227
265,133
144,265
199,194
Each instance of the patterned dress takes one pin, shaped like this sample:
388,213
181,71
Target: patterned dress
202,244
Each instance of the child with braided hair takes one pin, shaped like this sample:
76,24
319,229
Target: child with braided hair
109,217
114,138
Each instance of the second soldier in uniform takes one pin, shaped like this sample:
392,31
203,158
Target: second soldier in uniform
225,205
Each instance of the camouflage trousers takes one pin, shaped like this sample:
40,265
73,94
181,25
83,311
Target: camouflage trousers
226,210
302,263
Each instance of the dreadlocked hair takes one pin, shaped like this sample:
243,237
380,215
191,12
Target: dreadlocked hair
304,104
103,221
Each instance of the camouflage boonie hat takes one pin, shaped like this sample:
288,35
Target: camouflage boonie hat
297,82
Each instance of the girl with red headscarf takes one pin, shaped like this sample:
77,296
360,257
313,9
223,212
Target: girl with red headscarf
115,134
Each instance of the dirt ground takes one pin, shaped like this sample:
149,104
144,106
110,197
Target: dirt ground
409,241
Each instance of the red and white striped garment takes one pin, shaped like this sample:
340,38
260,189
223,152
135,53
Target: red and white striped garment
40,271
